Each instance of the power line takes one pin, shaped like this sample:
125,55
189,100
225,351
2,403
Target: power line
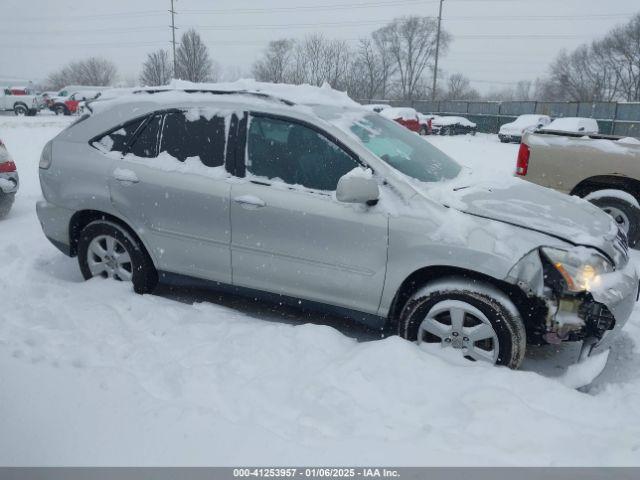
96,16
335,6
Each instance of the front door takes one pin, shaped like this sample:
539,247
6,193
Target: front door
289,233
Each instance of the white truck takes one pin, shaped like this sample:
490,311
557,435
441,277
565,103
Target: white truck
28,104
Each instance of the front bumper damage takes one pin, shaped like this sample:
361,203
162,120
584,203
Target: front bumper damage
594,317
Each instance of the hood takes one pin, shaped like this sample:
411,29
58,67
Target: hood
530,206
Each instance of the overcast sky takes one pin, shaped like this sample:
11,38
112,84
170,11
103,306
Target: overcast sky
495,42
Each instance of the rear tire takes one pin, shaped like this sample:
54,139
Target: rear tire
6,201
140,269
424,131
483,306
626,215
20,110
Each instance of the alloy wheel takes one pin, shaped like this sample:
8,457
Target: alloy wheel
459,325
108,258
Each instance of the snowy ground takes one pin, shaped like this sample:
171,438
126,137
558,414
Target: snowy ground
91,374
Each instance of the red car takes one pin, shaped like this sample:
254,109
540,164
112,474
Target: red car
407,117
71,104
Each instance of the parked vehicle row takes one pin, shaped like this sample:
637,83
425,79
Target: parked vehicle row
334,207
70,100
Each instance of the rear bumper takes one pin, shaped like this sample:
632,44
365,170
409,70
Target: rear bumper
55,224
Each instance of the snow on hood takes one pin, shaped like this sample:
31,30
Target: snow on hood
524,204
403,113
522,123
444,121
626,146
574,125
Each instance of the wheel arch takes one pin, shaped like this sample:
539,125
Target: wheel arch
601,182
530,308
82,218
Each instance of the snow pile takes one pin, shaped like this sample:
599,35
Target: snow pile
446,121
94,374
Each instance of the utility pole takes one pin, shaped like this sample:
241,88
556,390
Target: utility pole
435,67
173,36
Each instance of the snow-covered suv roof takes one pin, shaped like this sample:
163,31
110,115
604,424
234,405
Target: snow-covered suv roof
290,94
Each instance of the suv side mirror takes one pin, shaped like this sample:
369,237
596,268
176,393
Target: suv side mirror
357,189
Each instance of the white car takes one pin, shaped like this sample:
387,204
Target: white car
583,125
513,131
20,104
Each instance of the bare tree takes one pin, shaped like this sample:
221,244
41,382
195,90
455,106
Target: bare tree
192,59
459,88
94,71
411,42
622,48
370,71
156,69
605,70
275,65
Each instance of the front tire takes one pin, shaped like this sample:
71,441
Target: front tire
108,250
473,317
626,215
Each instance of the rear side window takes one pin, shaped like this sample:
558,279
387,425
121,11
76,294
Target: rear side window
201,137
146,143
119,140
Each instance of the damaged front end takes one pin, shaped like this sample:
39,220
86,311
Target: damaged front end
580,295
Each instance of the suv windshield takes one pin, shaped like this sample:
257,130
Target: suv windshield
402,149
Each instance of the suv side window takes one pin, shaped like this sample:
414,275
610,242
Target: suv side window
119,139
295,154
146,143
183,138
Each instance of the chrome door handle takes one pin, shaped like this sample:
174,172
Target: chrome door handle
249,201
125,176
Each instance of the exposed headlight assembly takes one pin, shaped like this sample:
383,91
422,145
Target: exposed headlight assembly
581,268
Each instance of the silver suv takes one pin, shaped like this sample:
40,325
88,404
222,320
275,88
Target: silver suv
331,206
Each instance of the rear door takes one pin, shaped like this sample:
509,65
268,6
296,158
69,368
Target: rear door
171,184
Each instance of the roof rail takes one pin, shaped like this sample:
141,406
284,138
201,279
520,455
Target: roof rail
216,92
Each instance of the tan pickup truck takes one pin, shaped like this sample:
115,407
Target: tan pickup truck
600,168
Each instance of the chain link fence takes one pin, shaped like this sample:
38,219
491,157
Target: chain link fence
613,118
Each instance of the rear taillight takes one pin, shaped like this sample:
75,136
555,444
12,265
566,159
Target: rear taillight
522,165
7,167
